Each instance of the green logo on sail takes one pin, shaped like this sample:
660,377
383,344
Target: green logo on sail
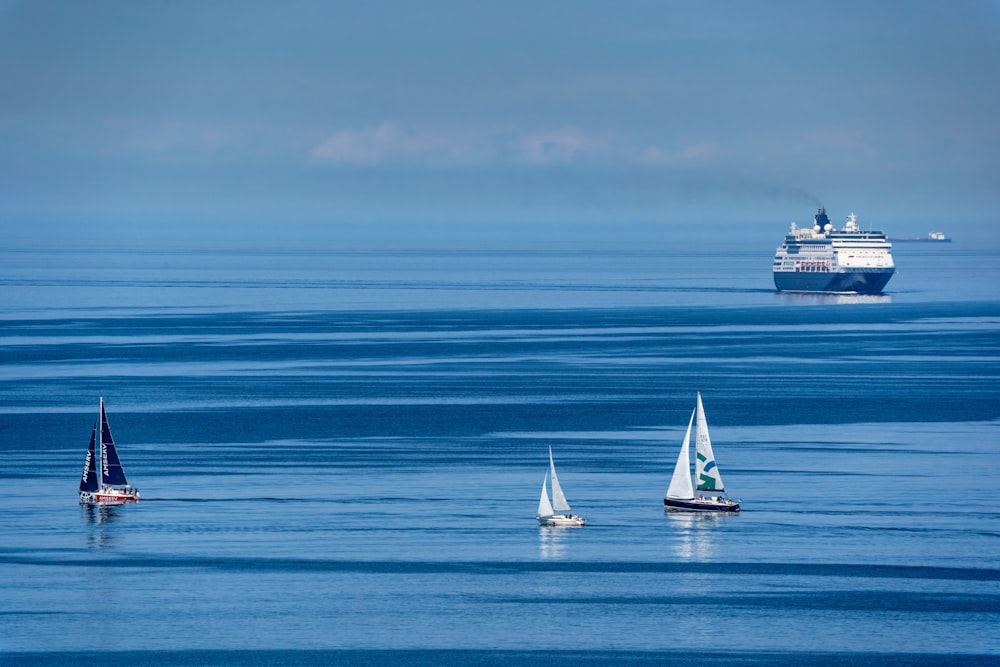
707,482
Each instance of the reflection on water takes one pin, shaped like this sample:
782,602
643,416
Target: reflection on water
830,298
552,541
99,519
694,533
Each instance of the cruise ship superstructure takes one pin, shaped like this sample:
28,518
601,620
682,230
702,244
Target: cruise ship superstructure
822,258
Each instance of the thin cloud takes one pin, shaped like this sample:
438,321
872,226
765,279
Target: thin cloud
555,146
369,145
697,152
390,143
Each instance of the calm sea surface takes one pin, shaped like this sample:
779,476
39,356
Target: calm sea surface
340,455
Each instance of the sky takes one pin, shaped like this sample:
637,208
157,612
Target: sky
316,119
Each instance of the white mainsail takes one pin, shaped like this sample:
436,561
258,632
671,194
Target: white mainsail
705,469
680,484
559,502
544,506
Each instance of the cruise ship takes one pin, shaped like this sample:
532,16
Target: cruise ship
822,258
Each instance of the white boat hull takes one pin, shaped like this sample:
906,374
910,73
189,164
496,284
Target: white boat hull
109,496
564,520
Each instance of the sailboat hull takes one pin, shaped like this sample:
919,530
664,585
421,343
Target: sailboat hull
564,520
714,504
109,497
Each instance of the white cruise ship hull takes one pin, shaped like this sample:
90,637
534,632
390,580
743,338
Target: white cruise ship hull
871,281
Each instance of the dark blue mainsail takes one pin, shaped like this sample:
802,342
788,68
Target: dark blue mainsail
88,482
112,472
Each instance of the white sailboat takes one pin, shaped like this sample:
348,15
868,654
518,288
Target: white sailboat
103,481
681,492
557,512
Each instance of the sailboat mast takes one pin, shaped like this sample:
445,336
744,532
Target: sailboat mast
100,447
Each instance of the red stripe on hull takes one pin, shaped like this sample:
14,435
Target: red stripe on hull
106,499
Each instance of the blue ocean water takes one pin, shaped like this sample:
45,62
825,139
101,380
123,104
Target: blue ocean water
340,454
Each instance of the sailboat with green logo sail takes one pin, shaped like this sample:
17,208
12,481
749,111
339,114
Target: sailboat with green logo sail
707,478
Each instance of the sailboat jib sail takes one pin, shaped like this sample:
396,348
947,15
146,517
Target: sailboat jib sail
88,482
557,512
544,506
103,481
680,484
681,492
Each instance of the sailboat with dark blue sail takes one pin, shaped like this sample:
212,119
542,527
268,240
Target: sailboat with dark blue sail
103,481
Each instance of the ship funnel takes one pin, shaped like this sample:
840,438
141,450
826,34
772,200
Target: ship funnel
821,221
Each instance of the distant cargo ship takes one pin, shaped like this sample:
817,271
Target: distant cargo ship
822,258
936,237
